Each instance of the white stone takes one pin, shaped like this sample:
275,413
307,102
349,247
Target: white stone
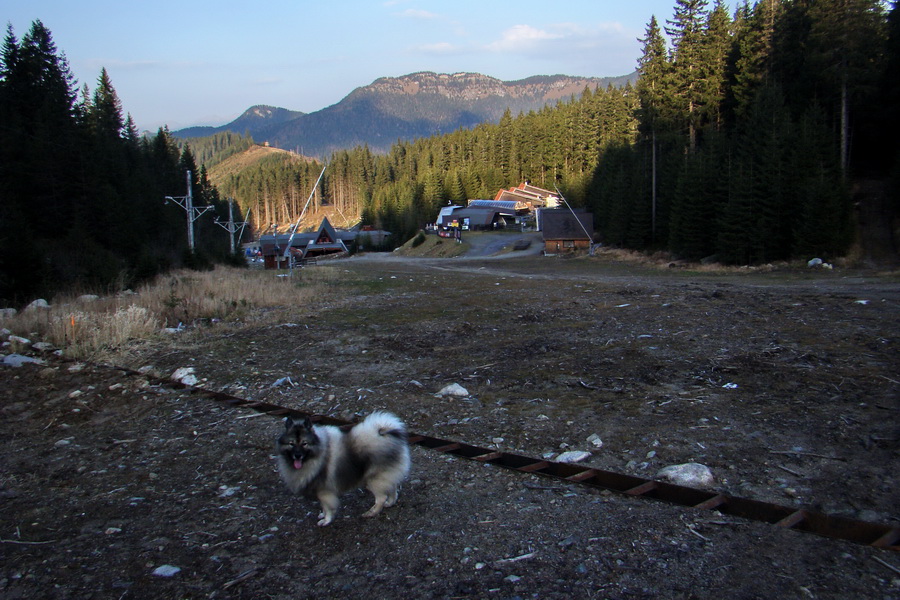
166,571
185,375
17,360
688,475
573,456
40,303
454,389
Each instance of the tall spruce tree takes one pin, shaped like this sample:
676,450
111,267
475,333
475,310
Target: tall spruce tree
691,68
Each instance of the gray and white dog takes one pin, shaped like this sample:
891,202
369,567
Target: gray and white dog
324,462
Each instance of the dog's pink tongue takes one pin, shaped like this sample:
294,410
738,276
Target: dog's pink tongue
298,463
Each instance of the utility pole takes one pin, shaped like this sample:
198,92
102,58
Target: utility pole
231,226
193,212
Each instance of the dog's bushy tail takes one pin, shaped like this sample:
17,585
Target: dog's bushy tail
379,431
385,424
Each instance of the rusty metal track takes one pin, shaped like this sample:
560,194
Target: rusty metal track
852,530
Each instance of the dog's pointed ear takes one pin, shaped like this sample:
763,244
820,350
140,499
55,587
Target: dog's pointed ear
288,423
307,423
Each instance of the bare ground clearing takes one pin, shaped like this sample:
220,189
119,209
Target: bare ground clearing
105,477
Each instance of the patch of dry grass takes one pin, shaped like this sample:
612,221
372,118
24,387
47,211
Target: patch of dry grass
181,299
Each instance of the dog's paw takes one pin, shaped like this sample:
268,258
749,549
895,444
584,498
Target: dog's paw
371,512
324,521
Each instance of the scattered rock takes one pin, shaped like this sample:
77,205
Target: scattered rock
18,344
185,375
573,456
454,389
86,298
687,474
39,304
595,440
166,571
17,360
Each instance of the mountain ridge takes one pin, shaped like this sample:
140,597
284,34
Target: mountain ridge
416,105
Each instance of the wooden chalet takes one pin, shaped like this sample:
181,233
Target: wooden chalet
323,242
564,231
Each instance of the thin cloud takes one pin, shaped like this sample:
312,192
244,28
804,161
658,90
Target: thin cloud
560,38
415,13
521,37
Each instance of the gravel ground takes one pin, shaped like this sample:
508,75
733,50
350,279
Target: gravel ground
784,384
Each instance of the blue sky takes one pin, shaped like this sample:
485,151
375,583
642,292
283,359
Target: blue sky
204,63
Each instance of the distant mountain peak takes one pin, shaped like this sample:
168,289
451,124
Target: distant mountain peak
407,107
263,111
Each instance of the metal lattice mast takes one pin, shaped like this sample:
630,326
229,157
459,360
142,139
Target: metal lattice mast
193,212
232,226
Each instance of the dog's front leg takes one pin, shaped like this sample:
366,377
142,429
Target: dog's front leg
330,503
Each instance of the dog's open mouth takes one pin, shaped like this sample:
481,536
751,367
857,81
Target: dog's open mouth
298,463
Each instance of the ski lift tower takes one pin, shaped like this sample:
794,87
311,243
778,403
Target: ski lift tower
232,226
193,212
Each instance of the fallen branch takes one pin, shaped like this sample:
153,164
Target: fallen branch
242,577
791,471
888,565
24,543
697,533
807,454
504,561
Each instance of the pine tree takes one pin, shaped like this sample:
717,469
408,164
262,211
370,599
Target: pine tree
656,109
105,113
690,65
847,39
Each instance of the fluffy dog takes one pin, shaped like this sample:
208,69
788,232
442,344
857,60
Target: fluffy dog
324,462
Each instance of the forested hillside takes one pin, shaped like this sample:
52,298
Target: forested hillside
756,136
82,192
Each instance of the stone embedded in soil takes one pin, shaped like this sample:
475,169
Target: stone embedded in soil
688,474
573,456
454,389
166,571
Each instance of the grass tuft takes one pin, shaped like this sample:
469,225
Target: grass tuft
83,329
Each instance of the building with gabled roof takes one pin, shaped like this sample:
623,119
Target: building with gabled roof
529,195
325,241
565,230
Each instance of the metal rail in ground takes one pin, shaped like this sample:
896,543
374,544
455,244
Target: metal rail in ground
798,519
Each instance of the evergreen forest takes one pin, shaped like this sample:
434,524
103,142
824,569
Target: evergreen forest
81,192
754,133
